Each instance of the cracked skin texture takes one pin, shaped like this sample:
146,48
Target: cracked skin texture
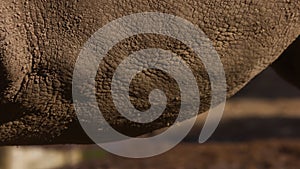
40,41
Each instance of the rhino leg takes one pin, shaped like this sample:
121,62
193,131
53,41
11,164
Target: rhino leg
287,66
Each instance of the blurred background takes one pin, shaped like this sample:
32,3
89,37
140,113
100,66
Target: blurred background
260,130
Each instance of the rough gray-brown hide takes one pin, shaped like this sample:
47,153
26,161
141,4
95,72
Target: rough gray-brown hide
41,39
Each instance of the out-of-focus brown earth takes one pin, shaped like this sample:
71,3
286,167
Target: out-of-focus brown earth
260,130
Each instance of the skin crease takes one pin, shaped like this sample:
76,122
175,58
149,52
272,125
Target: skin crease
40,42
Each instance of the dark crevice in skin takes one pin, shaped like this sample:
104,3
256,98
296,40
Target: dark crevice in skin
74,132
287,64
3,81
3,74
10,112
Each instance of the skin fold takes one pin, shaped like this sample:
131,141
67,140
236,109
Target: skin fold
41,40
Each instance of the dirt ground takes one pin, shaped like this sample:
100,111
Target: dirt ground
263,154
260,130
